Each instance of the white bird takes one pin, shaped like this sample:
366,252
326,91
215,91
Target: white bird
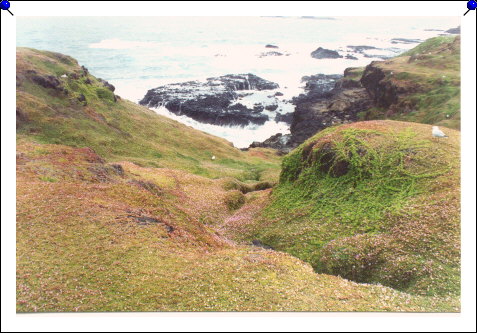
213,157
437,133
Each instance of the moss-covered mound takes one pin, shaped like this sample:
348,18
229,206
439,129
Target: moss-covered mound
373,202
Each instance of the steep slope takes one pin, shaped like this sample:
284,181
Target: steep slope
374,202
60,102
421,85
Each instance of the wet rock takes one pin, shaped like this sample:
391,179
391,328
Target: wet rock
351,57
271,46
214,101
277,141
271,107
330,100
321,53
284,117
316,85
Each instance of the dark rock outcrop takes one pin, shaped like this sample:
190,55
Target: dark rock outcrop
454,31
107,85
385,91
284,117
316,86
21,118
339,106
329,100
214,101
271,46
321,53
278,141
48,81
82,99
272,107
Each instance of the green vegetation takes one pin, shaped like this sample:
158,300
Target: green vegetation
374,202
121,130
120,209
120,237
354,73
428,81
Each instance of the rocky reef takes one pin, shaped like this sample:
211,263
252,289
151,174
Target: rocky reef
329,100
216,101
322,107
321,53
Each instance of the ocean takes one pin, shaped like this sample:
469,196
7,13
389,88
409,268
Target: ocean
136,54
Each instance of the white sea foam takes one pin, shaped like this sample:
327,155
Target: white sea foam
241,137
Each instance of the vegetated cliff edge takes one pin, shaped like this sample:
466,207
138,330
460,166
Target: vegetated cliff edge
421,85
59,101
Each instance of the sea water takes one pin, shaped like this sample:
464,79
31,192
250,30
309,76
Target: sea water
136,54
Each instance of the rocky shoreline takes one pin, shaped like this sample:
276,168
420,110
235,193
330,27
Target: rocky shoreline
329,100
219,100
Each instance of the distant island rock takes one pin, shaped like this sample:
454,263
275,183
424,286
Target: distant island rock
454,31
405,41
321,53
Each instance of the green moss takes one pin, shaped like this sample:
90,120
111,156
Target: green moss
359,180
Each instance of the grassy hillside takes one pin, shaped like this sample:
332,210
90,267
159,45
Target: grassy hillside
120,209
374,202
98,236
426,81
79,110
